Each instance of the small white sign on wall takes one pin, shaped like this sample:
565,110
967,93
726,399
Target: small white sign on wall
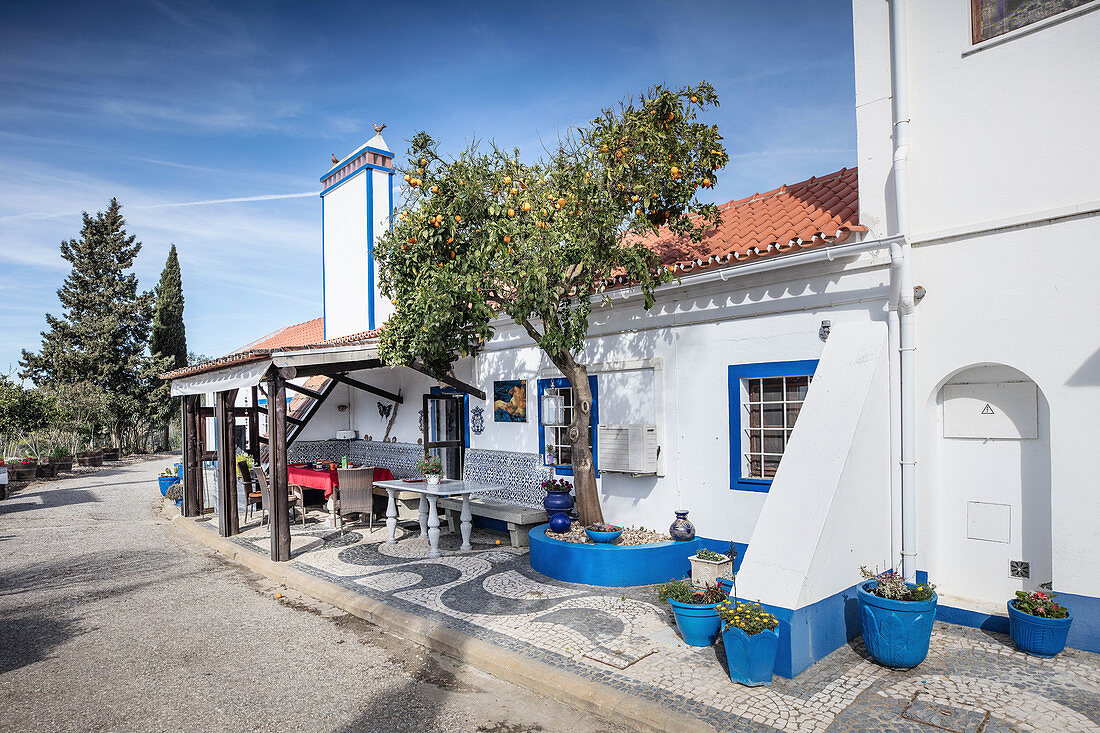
989,522
1007,410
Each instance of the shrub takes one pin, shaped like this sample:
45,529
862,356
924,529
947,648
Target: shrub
892,586
556,484
752,618
682,591
711,556
1039,604
430,466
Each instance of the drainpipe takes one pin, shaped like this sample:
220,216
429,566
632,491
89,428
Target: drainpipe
902,302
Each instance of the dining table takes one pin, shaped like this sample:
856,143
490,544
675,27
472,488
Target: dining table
326,480
429,515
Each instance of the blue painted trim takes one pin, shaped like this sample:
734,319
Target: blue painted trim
324,314
344,180
353,155
465,409
737,372
609,566
370,252
922,577
722,546
544,384
1084,633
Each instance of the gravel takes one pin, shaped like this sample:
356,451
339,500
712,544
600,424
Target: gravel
112,621
630,536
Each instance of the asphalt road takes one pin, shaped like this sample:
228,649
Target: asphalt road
110,620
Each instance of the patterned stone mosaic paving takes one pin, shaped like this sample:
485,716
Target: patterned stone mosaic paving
971,681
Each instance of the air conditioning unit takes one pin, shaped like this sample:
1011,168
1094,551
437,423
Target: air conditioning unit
628,448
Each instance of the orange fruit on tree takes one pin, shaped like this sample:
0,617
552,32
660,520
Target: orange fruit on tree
450,239
526,205
634,199
507,239
694,98
407,178
507,180
675,172
458,218
511,213
514,191
435,189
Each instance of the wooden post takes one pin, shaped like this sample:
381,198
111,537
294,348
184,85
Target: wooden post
276,434
228,514
254,427
191,477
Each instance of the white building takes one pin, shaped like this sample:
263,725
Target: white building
945,316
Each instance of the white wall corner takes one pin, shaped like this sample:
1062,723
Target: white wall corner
828,510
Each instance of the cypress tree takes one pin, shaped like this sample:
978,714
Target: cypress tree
102,335
168,342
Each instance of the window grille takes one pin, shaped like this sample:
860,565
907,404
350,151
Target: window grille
771,405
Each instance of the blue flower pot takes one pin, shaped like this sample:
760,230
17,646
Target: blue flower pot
751,659
559,522
699,625
557,501
1040,637
166,483
596,536
896,633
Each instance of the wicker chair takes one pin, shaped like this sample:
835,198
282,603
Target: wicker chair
253,497
356,493
267,497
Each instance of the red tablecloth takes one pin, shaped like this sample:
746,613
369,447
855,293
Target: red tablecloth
302,475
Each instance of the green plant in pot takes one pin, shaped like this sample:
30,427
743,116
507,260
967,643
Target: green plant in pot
694,610
1037,624
750,635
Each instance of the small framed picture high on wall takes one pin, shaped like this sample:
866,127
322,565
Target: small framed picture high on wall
510,401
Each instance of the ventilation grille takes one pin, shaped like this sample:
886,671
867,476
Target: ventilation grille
1019,569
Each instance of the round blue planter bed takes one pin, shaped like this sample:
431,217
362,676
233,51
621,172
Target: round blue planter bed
609,565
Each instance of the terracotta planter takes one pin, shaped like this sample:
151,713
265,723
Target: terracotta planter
21,471
63,464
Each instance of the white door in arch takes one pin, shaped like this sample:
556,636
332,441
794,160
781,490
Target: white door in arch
992,508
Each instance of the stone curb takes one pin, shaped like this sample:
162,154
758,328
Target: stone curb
567,688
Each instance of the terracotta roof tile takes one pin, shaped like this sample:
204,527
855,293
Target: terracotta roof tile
309,332
812,213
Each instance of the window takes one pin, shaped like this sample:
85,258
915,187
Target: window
555,405
764,403
992,18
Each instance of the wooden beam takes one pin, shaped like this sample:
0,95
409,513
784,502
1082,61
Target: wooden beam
330,385
338,367
303,390
351,382
228,516
294,421
192,476
261,439
206,412
254,427
279,511
450,381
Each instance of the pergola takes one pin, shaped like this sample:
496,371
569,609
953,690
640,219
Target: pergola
268,372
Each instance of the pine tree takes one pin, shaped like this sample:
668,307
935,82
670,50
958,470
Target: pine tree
168,341
102,336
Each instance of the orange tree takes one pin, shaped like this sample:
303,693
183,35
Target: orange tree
485,237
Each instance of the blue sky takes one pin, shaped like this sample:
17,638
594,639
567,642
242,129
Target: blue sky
166,103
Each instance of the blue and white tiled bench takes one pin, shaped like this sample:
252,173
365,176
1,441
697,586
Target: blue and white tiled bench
518,501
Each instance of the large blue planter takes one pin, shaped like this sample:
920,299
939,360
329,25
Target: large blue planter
557,501
699,625
896,633
166,483
1041,637
751,659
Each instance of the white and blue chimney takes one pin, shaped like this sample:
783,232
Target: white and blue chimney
356,205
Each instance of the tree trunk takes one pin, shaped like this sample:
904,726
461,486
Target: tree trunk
580,439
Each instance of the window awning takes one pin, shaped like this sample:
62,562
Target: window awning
237,376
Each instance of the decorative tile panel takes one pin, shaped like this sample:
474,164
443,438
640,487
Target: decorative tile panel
399,458
521,475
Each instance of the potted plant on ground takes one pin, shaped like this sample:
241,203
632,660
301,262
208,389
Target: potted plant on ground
431,467
23,469
167,479
707,566
1037,625
896,618
558,502
750,634
62,457
693,609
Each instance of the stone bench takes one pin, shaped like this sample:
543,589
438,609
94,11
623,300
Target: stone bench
519,519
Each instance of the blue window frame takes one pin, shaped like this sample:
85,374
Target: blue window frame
565,468
764,402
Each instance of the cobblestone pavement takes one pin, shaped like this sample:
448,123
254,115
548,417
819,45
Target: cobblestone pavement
111,620
972,681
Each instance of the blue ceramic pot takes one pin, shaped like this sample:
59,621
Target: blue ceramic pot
751,659
557,501
682,530
1040,637
699,625
166,483
597,536
896,633
559,522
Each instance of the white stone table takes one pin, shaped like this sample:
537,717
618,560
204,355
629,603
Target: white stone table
429,515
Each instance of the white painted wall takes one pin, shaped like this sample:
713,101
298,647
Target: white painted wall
346,209
999,132
382,182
